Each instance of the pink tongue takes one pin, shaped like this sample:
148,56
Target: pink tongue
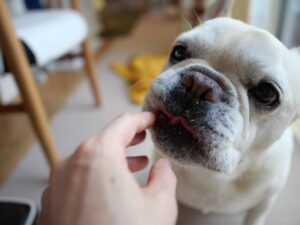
175,120
180,120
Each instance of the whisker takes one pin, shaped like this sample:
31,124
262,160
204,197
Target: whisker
187,22
198,17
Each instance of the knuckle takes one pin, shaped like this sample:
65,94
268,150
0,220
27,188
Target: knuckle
86,149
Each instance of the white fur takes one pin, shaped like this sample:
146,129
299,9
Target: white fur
260,179
264,144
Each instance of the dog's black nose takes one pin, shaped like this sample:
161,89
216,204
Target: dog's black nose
199,86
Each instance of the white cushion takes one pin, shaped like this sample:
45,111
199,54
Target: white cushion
16,7
50,34
8,88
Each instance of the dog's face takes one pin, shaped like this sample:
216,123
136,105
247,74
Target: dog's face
225,95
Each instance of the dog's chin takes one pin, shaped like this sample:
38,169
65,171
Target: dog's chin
175,138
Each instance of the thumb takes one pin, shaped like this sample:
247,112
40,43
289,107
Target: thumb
162,178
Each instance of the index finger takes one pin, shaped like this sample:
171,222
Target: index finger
123,129
116,136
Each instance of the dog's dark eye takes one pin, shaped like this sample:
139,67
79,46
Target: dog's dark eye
179,53
265,94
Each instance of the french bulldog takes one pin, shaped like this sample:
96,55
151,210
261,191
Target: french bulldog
224,103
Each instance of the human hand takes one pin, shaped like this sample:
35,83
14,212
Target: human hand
95,186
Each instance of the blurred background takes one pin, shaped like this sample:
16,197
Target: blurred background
67,67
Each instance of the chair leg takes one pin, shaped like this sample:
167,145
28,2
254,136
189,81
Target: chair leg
19,66
39,120
90,71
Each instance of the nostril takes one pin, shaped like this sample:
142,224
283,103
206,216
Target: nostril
210,95
187,81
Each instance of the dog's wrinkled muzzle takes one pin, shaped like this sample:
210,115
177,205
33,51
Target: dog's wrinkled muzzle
201,87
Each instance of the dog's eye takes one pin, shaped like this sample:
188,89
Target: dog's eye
179,53
265,94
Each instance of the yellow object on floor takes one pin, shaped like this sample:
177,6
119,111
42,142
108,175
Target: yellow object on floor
140,72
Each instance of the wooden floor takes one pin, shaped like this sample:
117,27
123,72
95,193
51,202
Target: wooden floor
16,132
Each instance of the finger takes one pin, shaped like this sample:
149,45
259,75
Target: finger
162,178
138,138
41,220
137,163
115,137
45,197
124,128
45,207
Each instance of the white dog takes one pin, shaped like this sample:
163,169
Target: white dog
224,104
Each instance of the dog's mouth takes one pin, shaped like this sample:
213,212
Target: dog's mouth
179,122
174,135
194,140
191,127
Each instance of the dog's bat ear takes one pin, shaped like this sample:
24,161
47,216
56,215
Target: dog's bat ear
219,8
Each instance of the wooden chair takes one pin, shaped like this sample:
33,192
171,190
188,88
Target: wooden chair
18,65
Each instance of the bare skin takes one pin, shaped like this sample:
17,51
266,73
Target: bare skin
95,185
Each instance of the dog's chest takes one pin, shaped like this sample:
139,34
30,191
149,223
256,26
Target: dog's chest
209,192
215,194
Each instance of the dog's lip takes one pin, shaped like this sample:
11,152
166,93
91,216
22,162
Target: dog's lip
176,120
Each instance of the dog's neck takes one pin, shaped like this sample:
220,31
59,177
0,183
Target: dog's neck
253,164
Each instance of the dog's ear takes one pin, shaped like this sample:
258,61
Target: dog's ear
219,8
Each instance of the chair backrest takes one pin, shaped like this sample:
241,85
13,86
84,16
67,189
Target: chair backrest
16,7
